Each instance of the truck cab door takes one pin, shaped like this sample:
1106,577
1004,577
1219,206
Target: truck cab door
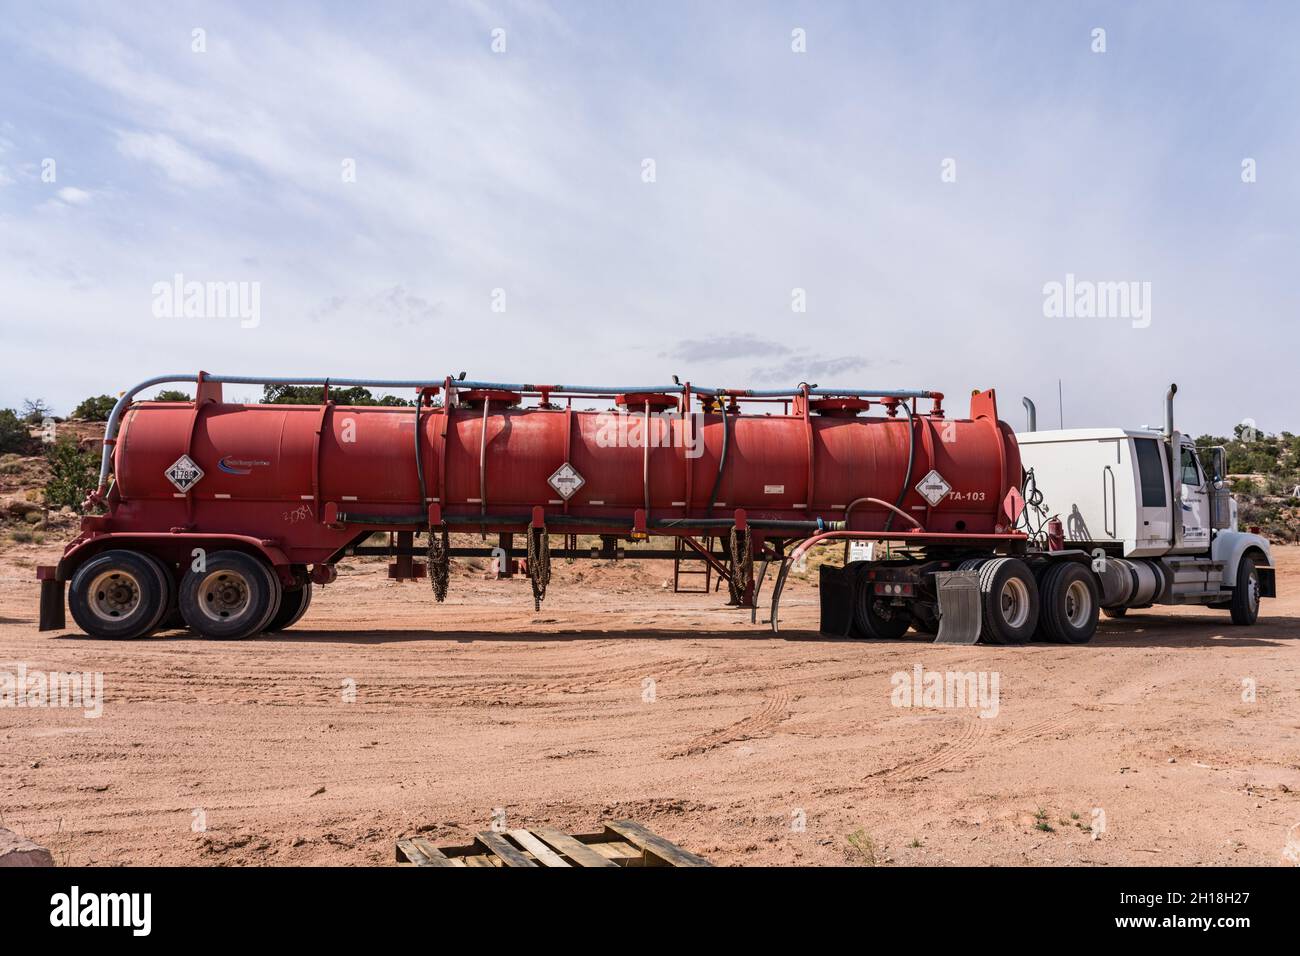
1195,499
1154,532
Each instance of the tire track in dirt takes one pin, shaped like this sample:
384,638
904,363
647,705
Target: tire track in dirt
947,756
973,737
775,709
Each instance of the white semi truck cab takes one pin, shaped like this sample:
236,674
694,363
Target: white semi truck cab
1114,519
1153,512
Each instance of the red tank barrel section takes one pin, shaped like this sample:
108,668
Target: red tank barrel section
310,478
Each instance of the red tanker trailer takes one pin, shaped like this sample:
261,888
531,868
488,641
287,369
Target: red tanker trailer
221,516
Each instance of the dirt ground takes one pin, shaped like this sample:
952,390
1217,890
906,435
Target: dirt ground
623,699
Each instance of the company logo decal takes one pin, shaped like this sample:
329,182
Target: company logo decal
241,466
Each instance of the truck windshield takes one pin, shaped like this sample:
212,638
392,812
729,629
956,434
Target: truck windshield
1151,472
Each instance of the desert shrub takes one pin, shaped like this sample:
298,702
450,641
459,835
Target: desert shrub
74,473
14,437
95,409
311,395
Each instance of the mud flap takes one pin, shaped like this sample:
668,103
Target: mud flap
1267,581
52,618
835,588
959,607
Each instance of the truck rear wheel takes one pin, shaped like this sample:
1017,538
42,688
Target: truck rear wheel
874,618
924,618
1245,596
118,594
1008,599
233,597
1069,599
293,605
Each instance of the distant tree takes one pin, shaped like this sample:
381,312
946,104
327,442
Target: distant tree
14,437
35,411
95,409
172,395
312,395
74,472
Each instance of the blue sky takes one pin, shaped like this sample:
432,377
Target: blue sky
774,170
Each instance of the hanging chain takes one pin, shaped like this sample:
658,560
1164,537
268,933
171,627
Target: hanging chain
439,563
539,563
742,564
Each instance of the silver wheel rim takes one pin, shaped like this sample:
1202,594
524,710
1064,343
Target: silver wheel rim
114,595
224,595
1252,591
1078,604
1014,603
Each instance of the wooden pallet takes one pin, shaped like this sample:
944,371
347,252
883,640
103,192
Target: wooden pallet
621,843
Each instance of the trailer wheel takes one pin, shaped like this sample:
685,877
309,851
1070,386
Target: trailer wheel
232,598
1010,601
1245,596
1068,595
293,606
1114,612
171,619
118,594
874,618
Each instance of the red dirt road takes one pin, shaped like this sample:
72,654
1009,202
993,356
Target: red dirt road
480,706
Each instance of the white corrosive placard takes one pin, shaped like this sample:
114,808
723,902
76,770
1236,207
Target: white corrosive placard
933,488
184,473
566,481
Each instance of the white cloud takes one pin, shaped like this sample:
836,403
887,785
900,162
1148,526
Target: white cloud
73,196
180,164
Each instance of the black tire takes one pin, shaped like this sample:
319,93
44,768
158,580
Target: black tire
119,595
1114,613
232,598
171,619
293,605
1009,601
875,618
1245,596
925,618
1068,604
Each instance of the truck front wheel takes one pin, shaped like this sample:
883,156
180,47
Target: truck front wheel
1245,596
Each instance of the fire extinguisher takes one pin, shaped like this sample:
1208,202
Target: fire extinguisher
1055,534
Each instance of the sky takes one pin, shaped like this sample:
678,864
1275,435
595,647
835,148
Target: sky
742,194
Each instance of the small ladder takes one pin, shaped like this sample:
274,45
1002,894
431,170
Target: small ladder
680,549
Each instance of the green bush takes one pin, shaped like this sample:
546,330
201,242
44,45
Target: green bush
95,408
172,395
14,436
74,473
312,394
